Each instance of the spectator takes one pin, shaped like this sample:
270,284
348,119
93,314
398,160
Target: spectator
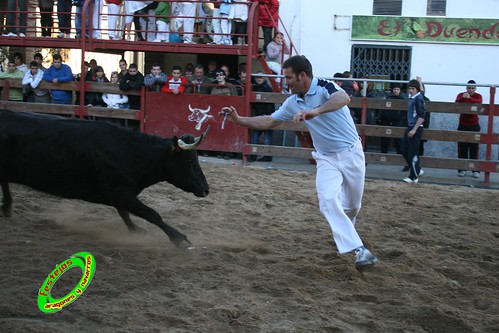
189,71
223,87
414,132
241,82
39,60
163,13
392,118
176,82
16,8
468,122
349,86
260,109
187,17
338,82
212,70
240,18
199,83
15,94
132,80
56,74
155,80
135,10
113,19
46,21
64,17
226,21
275,51
115,101
31,80
19,61
365,90
216,23
123,69
95,98
268,19
228,77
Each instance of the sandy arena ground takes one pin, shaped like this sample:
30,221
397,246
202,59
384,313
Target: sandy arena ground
263,261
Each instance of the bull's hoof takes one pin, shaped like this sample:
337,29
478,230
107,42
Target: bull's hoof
7,210
182,242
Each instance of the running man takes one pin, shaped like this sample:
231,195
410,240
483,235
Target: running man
322,106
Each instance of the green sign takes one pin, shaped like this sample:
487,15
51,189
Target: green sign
425,29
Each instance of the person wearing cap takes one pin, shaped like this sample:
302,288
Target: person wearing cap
468,122
414,131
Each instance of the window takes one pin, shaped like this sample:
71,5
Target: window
381,62
436,7
387,7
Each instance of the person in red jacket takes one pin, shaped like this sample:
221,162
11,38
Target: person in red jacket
268,19
468,122
176,82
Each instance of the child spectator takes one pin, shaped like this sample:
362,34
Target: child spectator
95,98
15,94
115,101
30,82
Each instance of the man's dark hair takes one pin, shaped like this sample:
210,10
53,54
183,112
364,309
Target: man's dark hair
33,64
199,66
19,55
415,84
133,66
155,64
177,68
471,82
38,55
57,56
298,64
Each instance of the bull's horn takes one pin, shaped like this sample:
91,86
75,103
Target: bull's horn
197,141
190,108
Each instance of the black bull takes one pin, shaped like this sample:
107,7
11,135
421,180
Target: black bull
96,162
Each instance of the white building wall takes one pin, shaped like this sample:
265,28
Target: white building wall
321,30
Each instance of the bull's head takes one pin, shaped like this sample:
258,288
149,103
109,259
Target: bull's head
186,172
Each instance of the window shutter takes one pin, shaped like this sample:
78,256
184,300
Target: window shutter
436,7
387,7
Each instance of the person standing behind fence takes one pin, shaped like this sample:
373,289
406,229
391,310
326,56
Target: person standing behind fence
239,15
16,8
15,94
322,106
468,122
268,19
414,131
155,80
56,74
46,21
31,80
115,101
132,80
113,18
64,17
163,13
176,83
261,109
392,118
199,84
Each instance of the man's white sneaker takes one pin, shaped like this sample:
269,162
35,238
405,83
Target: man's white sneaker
364,259
21,34
61,35
410,181
10,34
461,173
476,174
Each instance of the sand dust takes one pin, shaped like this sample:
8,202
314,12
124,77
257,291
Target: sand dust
263,260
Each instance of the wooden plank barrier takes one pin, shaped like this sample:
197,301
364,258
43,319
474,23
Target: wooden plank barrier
489,138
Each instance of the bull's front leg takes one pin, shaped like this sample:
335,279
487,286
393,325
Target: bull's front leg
132,227
131,204
7,199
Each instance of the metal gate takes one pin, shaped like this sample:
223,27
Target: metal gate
381,62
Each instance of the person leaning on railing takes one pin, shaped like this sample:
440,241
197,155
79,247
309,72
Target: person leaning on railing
15,94
31,80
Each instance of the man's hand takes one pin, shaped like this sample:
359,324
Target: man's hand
305,115
230,113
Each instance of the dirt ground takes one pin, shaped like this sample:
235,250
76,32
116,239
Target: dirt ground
263,261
